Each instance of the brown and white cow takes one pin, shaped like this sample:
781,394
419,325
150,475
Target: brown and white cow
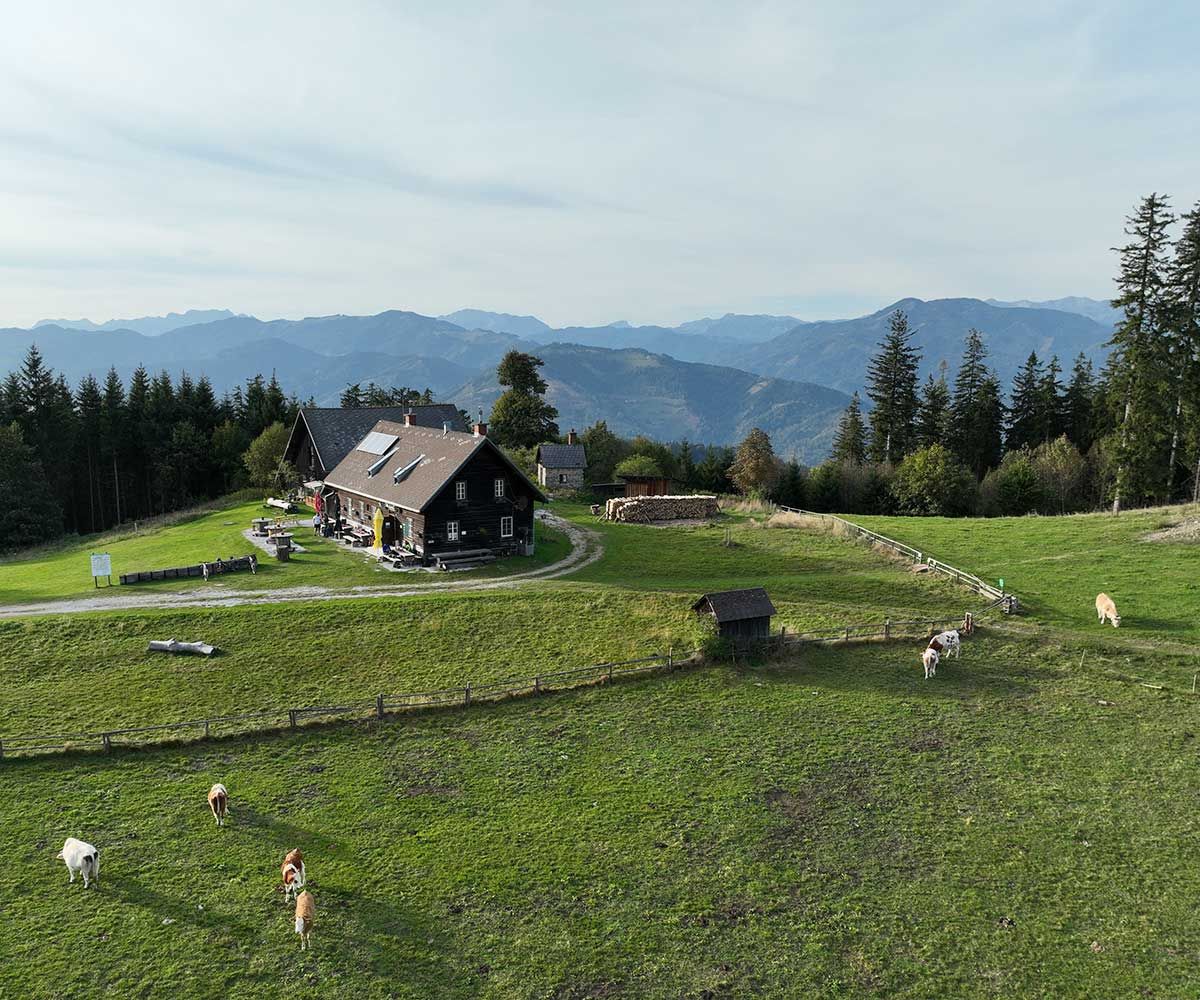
306,916
292,870
929,660
218,802
1105,608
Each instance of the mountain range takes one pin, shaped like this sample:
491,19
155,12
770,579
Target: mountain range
709,379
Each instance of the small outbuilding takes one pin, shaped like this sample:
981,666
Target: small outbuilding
740,614
561,466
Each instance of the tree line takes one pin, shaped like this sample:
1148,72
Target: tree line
103,453
1059,443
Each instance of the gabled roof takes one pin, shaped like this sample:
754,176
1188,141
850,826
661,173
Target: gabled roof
335,430
561,456
425,459
736,605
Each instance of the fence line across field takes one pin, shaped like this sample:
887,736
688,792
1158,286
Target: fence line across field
935,565
382,705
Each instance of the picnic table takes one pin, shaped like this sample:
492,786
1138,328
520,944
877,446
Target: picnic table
259,525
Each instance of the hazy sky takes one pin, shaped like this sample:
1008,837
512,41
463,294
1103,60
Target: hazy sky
587,163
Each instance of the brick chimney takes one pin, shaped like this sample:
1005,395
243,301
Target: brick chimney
479,429
409,420
572,437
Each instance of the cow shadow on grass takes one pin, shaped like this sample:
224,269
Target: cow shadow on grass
177,909
955,678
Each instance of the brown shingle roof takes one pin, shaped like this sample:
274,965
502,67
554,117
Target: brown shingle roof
736,605
336,430
435,457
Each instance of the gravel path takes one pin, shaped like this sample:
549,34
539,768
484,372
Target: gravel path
586,548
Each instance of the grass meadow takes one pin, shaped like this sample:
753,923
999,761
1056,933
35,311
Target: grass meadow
62,570
828,824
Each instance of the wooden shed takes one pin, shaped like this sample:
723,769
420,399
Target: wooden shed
740,614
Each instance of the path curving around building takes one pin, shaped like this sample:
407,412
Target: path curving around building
586,548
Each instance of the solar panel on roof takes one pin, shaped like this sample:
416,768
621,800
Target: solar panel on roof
377,443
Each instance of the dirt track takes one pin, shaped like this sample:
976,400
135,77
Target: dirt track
586,548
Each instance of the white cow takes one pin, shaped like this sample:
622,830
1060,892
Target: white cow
1105,608
930,661
947,643
82,858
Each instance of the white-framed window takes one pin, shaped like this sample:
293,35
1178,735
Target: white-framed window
562,477
506,525
460,490
452,531
408,530
500,489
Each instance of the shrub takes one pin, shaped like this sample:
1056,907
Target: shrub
1064,475
638,465
933,481
1014,489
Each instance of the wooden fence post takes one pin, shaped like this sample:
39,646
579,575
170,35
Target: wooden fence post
104,738
887,629
610,670
206,728
292,717
466,696
379,707
671,657
537,682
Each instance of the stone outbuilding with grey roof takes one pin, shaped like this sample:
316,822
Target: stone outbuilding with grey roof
561,466
439,491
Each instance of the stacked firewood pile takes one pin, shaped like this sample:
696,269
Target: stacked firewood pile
643,510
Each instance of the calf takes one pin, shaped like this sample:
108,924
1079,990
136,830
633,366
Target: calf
1105,608
293,873
218,802
82,858
306,915
930,661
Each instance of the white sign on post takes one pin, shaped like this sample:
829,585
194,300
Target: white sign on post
101,564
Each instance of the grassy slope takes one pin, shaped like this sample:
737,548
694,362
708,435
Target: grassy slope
827,826
833,827
60,677
62,571
1059,565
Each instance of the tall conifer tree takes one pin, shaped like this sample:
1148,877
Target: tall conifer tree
850,442
892,388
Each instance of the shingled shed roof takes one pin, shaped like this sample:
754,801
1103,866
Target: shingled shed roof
561,456
413,465
335,430
736,605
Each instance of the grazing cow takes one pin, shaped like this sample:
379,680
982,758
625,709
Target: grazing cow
293,873
218,802
306,915
82,858
946,643
1105,608
930,661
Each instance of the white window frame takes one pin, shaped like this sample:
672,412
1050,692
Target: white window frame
498,487
460,490
509,522
452,531
562,478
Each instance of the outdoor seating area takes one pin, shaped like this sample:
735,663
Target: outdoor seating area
466,559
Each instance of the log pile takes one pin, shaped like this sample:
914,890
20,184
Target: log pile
643,510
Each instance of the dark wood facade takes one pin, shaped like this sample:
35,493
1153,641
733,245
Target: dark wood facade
467,511
742,616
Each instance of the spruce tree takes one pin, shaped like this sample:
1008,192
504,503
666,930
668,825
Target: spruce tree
89,405
1078,404
976,410
892,389
933,416
1025,416
1135,364
850,442
1183,330
352,397
521,417
1051,403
